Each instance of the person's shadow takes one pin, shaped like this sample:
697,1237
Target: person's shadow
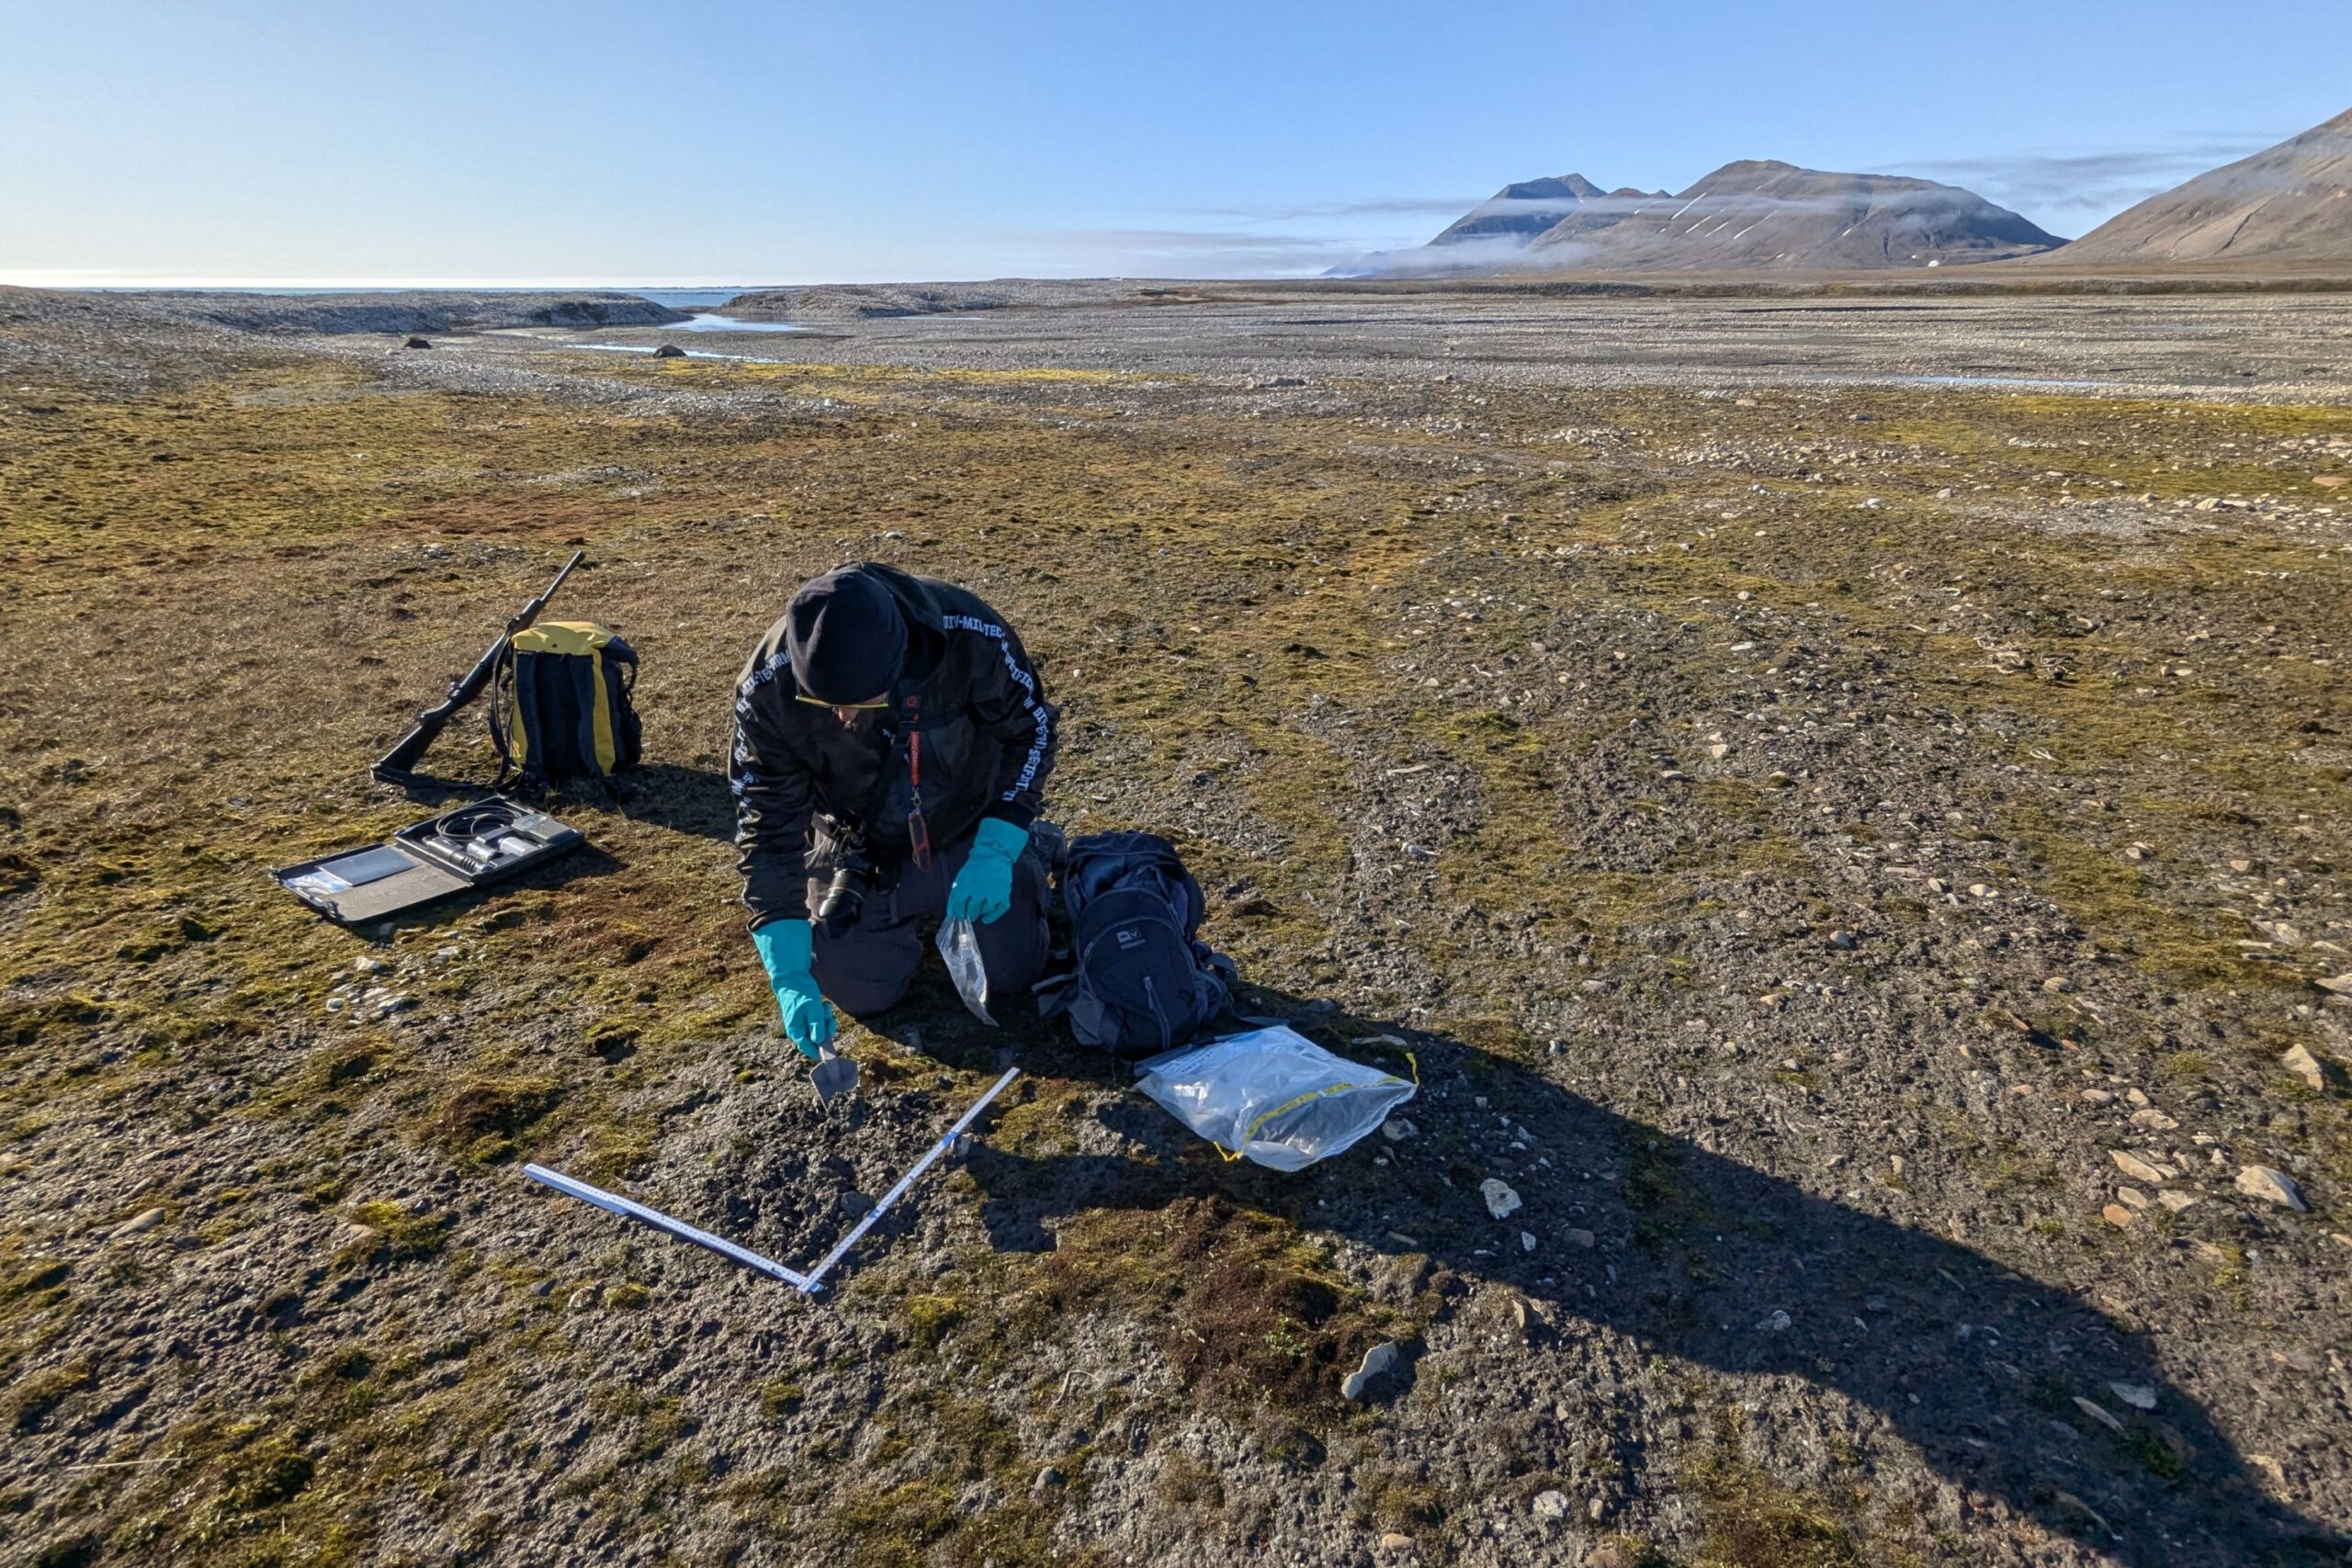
1983,1370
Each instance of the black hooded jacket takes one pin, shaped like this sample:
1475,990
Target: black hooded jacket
805,782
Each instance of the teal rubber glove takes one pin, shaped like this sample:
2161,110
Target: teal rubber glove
785,949
983,889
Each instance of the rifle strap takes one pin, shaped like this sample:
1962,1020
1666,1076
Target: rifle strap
502,696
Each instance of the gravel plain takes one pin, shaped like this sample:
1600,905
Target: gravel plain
1862,859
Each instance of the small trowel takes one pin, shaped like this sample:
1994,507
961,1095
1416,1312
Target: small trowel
833,1075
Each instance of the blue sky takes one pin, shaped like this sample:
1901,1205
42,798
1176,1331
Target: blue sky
209,140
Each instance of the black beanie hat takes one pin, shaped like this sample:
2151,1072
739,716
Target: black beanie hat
845,636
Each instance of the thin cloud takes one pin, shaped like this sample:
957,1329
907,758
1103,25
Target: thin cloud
2095,183
1311,211
1182,253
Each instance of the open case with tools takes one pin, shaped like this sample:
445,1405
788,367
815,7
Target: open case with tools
472,846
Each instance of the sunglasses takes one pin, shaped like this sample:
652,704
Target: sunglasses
875,706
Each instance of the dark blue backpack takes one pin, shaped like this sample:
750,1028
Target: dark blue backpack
1141,980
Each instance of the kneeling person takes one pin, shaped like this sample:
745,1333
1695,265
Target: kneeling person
891,743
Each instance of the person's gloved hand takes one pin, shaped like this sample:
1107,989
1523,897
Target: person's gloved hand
983,889
785,948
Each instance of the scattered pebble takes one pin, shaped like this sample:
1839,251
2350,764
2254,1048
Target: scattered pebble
1378,1361
141,1222
2270,1186
1501,1201
1550,1505
1396,1129
1580,1238
2138,1395
2117,1215
2304,1065
2098,1413
2138,1169
1776,1323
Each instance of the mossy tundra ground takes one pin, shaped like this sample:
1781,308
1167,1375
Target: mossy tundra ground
1799,835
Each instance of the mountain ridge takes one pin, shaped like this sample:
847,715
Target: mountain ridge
2291,202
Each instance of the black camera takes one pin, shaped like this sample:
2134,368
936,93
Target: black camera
844,897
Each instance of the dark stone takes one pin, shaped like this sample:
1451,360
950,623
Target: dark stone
416,343
669,351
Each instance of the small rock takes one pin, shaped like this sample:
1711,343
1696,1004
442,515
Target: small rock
1391,1541
2154,1120
1396,1129
2138,1395
1598,1510
2117,1215
2138,1169
1527,1241
2133,1197
1501,1201
1776,1323
669,351
141,1222
416,343
1576,1238
2136,1095
2341,985
2270,1186
1048,1479
1378,1361
853,1205
368,967
2098,1097
1844,941
2304,1065
2057,984
1550,1505
1719,751
2174,1199
2098,1413
337,1004
582,1299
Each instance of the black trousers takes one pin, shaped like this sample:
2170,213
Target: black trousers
866,969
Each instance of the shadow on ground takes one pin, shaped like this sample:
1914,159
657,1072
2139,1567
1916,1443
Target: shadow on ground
685,800
1978,1367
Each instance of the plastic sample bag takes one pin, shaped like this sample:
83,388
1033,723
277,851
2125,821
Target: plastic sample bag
962,949
1272,1096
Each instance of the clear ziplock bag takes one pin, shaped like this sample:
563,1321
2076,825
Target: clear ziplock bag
961,949
1272,1096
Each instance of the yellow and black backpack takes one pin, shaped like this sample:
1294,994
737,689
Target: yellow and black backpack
560,710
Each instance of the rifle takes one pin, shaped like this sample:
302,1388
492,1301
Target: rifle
398,766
